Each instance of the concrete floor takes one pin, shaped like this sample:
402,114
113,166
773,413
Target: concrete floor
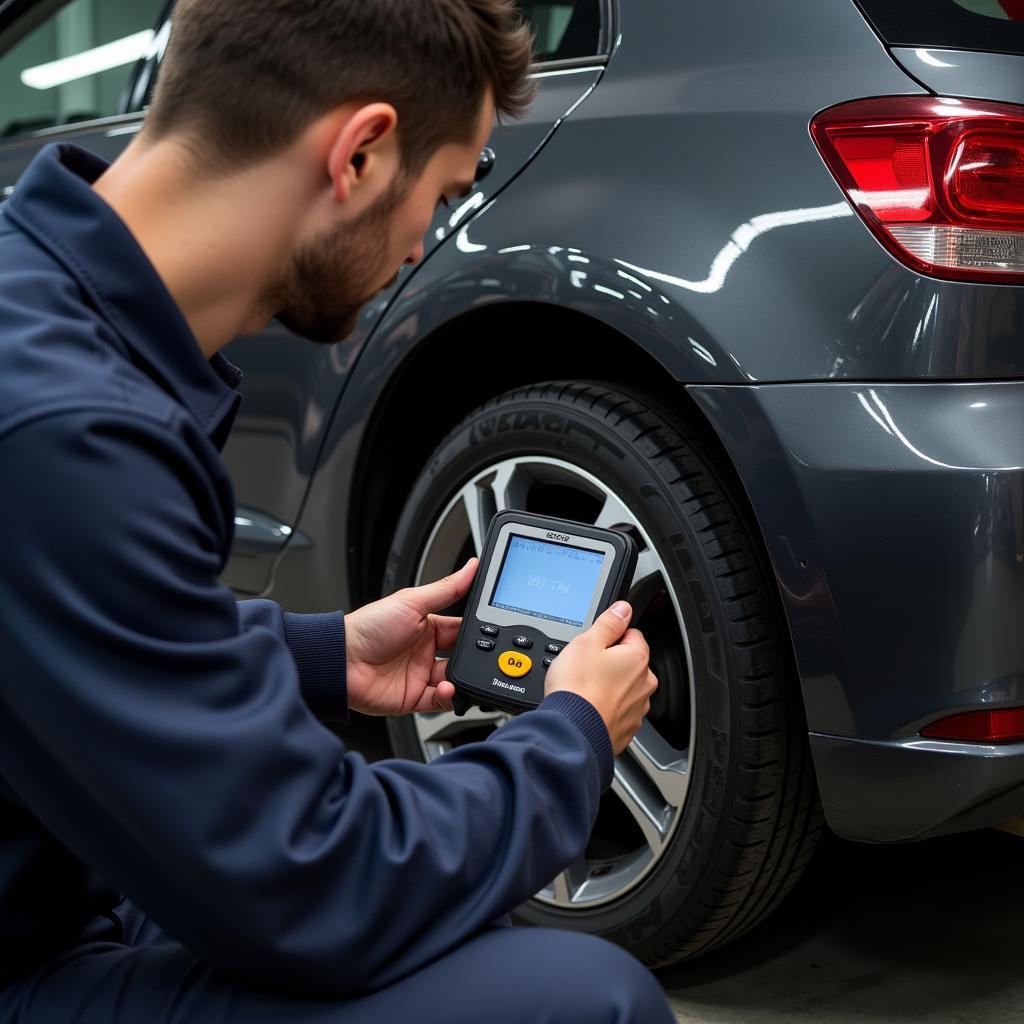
925,932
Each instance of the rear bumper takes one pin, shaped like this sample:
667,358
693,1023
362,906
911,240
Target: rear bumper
894,518
885,792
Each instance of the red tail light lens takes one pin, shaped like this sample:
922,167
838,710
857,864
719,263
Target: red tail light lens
986,175
1003,726
890,173
939,181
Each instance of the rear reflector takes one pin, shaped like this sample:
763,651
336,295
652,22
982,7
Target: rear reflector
939,181
1005,726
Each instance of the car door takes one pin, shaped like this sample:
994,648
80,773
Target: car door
83,71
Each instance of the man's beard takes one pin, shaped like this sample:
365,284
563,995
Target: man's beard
330,280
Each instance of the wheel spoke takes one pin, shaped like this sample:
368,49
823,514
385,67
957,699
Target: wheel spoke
510,486
665,766
479,505
446,543
614,514
567,884
437,727
648,565
641,797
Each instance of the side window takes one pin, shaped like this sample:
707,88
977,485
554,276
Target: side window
74,65
565,29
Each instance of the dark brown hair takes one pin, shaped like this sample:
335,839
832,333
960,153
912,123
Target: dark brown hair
243,78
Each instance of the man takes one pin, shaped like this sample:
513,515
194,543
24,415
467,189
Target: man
159,740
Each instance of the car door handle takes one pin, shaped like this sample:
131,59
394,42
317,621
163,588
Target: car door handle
259,533
486,165
6,191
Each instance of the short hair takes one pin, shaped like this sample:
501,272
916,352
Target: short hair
244,78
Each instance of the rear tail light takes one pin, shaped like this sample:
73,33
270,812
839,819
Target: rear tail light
939,181
1003,726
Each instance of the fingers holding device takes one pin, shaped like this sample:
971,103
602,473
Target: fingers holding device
609,665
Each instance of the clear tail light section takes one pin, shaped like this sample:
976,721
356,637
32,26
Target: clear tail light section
940,181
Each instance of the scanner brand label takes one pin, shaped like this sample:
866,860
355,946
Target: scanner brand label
558,536
508,686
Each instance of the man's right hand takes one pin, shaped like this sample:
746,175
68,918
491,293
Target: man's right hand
609,665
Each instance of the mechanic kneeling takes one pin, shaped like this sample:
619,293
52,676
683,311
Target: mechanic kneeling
160,740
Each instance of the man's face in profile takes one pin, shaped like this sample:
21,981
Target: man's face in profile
332,277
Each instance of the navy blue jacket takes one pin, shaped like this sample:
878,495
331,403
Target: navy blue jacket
160,739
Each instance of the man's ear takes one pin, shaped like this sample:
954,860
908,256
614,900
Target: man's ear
366,145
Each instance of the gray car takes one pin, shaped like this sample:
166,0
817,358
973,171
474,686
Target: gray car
746,283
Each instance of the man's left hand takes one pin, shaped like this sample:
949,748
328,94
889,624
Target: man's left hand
391,647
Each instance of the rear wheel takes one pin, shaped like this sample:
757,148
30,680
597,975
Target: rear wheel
713,811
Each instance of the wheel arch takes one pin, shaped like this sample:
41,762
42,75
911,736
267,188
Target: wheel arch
446,368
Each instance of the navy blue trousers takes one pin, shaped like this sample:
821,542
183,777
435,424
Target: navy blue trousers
505,975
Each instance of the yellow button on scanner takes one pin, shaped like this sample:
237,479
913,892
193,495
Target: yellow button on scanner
514,664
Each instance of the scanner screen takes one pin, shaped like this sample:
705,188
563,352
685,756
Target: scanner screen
550,581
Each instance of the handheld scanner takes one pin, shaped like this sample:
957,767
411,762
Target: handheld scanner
541,582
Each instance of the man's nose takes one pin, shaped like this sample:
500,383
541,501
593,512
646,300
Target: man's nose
416,255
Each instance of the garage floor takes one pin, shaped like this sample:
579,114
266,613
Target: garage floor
929,932
925,932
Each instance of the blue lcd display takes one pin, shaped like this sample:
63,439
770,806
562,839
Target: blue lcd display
551,581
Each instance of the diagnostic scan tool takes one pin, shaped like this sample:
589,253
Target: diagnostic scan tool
541,582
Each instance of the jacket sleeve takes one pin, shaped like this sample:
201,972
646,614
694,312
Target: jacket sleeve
317,645
170,748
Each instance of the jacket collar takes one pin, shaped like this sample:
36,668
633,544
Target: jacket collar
55,204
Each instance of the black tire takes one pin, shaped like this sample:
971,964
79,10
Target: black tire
751,818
